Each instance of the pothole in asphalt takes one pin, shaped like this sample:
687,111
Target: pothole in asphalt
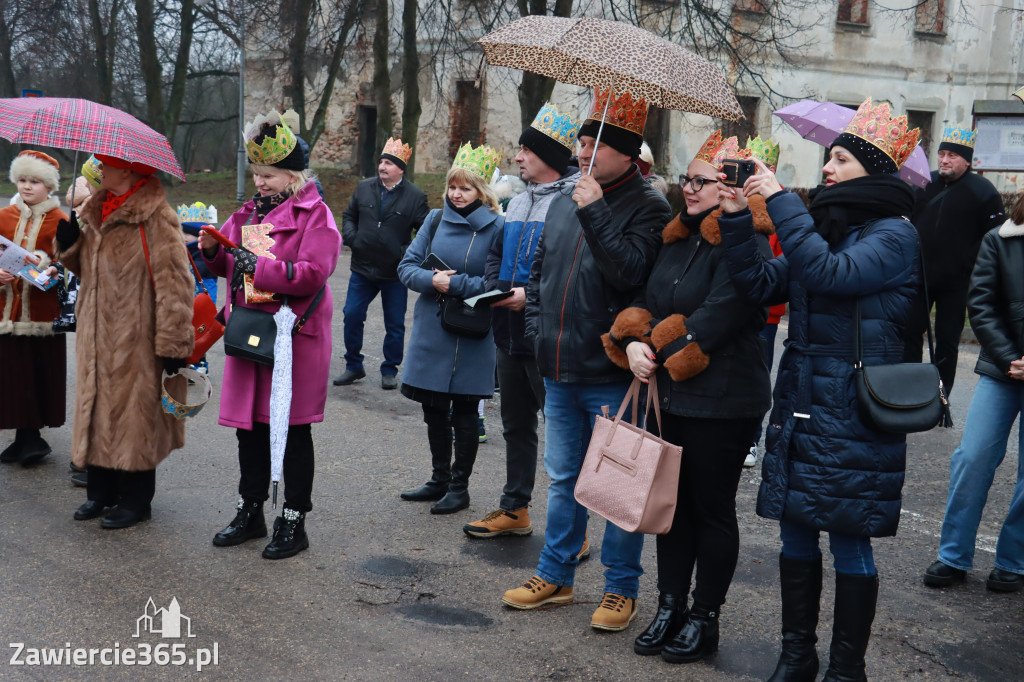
389,566
444,615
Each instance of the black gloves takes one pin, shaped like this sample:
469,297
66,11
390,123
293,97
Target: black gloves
172,365
245,264
68,232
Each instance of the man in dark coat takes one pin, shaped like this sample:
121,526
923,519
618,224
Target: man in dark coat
595,255
543,158
377,226
951,214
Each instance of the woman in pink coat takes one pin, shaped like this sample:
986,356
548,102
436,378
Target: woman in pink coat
293,257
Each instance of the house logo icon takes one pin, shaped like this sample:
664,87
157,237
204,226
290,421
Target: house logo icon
168,623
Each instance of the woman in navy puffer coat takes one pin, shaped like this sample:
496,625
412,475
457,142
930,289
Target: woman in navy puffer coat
824,469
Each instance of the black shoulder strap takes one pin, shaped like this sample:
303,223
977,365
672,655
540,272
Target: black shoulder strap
433,227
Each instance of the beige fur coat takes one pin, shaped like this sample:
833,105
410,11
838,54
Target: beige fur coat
123,330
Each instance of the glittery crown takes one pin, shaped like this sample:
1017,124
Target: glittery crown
562,128
196,213
394,147
763,150
623,112
482,161
273,148
960,135
715,149
877,126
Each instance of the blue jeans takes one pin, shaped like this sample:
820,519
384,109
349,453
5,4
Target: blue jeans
569,411
851,554
994,408
393,298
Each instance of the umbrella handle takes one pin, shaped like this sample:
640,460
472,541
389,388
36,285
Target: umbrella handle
600,129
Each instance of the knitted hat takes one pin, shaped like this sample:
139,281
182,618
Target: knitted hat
33,164
552,137
134,166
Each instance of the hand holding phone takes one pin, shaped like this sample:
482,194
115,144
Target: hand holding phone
737,171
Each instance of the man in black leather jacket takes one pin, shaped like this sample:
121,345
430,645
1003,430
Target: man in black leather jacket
377,226
595,254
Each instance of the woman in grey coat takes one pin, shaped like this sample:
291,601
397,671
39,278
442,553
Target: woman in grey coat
446,373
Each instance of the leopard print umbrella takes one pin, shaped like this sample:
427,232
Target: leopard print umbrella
596,53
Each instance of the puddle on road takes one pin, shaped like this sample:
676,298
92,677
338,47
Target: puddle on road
444,615
390,566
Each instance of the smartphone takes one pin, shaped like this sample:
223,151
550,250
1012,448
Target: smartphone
737,171
432,262
217,235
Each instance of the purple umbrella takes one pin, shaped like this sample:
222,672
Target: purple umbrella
822,122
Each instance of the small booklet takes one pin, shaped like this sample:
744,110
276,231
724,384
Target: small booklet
488,298
13,259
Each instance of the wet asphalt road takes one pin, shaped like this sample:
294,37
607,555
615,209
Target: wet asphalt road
389,592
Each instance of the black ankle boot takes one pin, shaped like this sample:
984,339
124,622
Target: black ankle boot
696,640
247,525
668,620
428,492
289,535
453,501
801,593
33,447
856,596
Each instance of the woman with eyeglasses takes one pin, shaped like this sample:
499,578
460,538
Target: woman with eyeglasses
693,331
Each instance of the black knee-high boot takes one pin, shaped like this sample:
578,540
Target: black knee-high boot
801,595
856,596
467,441
439,436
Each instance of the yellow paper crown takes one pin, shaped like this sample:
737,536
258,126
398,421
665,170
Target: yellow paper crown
92,171
623,111
562,128
273,148
876,126
394,147
715,149
482,161
960,135
763,150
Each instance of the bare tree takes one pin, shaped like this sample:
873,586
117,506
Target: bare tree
381,72
535,90
411,108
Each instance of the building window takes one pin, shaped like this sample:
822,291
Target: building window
465,116
931,17
853,12
745,127
923,120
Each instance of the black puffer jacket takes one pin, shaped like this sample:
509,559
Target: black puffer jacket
590,264
995,300
378,241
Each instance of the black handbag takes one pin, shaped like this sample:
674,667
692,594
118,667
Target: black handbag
456,317
250,334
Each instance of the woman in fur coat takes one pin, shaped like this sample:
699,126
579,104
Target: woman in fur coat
34,365
134,322
701,339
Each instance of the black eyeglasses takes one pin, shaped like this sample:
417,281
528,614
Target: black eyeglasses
696,184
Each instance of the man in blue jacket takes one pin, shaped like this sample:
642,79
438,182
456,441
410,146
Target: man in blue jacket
598,247
545,149
377,226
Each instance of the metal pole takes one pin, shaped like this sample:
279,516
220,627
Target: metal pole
241,103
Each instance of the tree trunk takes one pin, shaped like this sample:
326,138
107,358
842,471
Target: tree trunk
536,90
296,87
410,75
6,65
177,96
352,12
381,76
149,61
103,47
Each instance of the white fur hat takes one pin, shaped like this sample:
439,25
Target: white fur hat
33,164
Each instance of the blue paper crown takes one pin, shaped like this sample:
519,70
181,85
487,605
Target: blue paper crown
562,128
960,135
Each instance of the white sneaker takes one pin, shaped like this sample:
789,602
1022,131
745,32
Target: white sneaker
751,458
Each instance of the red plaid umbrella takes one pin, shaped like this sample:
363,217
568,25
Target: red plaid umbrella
88,127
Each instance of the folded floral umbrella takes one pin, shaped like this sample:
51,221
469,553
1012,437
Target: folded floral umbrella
86,126
822,122
600,54
281,392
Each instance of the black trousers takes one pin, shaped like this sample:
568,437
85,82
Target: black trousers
950,301
522,390
127,489
705,534
254,465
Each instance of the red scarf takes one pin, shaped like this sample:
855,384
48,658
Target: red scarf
113,201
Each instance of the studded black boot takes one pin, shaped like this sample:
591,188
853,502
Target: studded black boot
289,535
248,524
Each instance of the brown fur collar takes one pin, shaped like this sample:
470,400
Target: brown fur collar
676,230
138,208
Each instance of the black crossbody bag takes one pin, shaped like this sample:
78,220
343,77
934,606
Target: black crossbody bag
456,317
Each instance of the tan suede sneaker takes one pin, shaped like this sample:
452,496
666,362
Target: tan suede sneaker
615,613
584,550
500,522
537,592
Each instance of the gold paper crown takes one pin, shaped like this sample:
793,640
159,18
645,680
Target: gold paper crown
562,128
960,135
623,112
877,126
715,149
482,161
763,150
394,147
272,149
